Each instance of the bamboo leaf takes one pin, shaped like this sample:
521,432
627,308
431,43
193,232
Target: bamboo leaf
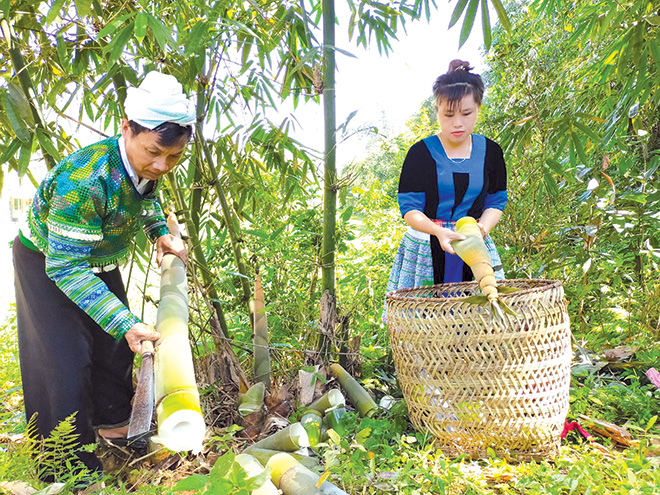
117,45
502,16
83,7
54,11
468,22
485,24
585,128
47,145
458,11
10,151
160,33
140,26
24,158
579,149
113,25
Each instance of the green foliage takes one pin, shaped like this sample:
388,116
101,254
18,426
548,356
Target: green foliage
226,476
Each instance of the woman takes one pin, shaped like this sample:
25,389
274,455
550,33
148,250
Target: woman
445,177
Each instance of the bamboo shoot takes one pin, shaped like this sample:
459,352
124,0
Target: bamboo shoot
253,400
180,422
295,479
311,421
264,455
356,393
332,398
289,439
252,468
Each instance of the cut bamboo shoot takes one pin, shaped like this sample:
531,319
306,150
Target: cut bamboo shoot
295,479
288,439
180,422
311,421
356,393
252,468
264,455
332,398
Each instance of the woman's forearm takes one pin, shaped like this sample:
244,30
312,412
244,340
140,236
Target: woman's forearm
489,219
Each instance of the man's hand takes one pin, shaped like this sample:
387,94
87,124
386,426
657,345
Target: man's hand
139,333
169,244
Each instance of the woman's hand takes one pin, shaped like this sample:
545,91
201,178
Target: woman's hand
445,236
139,333
169,244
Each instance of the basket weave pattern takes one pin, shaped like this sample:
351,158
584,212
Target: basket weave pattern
476,383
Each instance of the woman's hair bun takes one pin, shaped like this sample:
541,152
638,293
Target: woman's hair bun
457,64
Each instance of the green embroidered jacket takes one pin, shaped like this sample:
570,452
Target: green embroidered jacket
86,213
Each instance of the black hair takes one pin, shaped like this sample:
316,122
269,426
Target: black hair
457,83
169,133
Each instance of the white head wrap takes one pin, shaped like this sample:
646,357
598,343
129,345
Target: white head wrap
159,99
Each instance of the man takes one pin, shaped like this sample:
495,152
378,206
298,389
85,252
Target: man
76,334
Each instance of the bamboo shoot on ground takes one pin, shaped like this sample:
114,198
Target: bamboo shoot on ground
252,468
180,422
332,417
356,393
311,421
253,400
264,455
332,398
288,439
295,479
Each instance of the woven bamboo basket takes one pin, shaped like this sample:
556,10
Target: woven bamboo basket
476,383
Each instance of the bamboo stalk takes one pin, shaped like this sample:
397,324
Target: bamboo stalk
180,422
252,468
289,439
295,479
327,321
356,393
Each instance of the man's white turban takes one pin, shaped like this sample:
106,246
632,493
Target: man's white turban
160,98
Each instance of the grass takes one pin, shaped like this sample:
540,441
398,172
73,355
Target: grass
386,455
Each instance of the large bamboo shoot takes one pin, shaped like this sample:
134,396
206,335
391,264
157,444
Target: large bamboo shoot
295,479
473,251
180,422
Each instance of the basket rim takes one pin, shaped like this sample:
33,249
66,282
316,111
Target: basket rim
402,294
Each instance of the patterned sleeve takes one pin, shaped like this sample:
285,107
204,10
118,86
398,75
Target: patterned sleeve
154,224
497,195
412,190
74,228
